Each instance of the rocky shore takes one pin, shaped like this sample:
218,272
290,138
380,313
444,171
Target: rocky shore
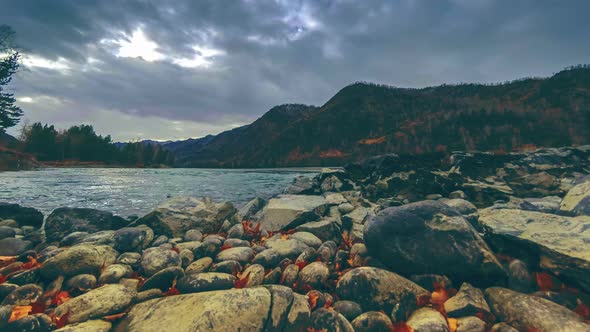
474,242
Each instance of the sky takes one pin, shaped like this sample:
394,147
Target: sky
174,69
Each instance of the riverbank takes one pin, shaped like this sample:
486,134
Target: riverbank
477,242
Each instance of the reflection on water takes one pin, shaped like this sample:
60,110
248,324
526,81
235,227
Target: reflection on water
128,191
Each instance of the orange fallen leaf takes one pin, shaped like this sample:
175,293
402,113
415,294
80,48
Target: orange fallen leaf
60,321
284,236
172,290
115,317
313,300
60,298
19,312
241,282
452,324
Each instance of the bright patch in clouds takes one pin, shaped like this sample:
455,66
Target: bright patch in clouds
25,99
36,61
202,58
138,45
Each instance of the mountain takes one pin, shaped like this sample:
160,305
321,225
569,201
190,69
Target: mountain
365,119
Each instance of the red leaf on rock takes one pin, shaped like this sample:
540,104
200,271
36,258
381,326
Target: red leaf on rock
313,300
3,279
19,312
241,282
175,249
582,310
61,321
301,264
32,263
172,290
547,282
38,307
60,298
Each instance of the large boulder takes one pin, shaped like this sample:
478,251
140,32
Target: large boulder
99,302
290,211
156,259
11,246
431,237
24,216
248,309
79,259
531,313
178,215
376,289
577,200
63,221
556,243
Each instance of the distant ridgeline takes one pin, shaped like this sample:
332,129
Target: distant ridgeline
81,145
367,119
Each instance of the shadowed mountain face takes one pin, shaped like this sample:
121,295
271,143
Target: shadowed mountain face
365,119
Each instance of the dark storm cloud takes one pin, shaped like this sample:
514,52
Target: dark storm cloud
261,53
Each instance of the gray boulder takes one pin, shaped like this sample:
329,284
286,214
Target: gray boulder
173,218
24,216
14,246
290,211
577,200
79,259
63,221
431,237
156,259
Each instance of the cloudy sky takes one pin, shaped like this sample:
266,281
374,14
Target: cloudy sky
175,69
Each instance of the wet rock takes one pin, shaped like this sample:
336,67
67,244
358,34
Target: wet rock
330,320
427,320
525,312
372,321
290,211
287,248
207,249
203,282
96,325
519,277
73,239
229,267
549,204
268,258
577,200
132,259
301,185
255,275
315,275
99,302
63,221
133,238
307,238
234,243
188,245
199,266
470,324
5,289
160,240
24,216
376,289
236,232
14,246
467,209
23,295
469,301
173,218
25,277
193,235
79,259
457,194
156,259
100,238
242,255
82,282
229,310
431,237
555,240
163,279
348,309
299,315
186,257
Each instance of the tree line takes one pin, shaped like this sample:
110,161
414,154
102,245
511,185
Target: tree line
81,143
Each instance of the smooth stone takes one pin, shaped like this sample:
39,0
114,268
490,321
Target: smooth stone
468,301
133,238
180,214
273,277
427,320
115,272
192,245
100,238
79,259
255,274
193,235
24,216
73,239
289,211
242,255
207,249
229,267
372,321
268,258
519,277
5,289
315,275
149,294
7,232
34,322
63,221
325,230
430,237
234,243
526,312
327,251
348,309
156,259
23,295
324,319
376,289
99,302
9,223
204,282
470,324
160,240
199,266
287,248
307,238
502,327
163,279
577,200
14,246
82,282
132,259
236,232
96,325
290,274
